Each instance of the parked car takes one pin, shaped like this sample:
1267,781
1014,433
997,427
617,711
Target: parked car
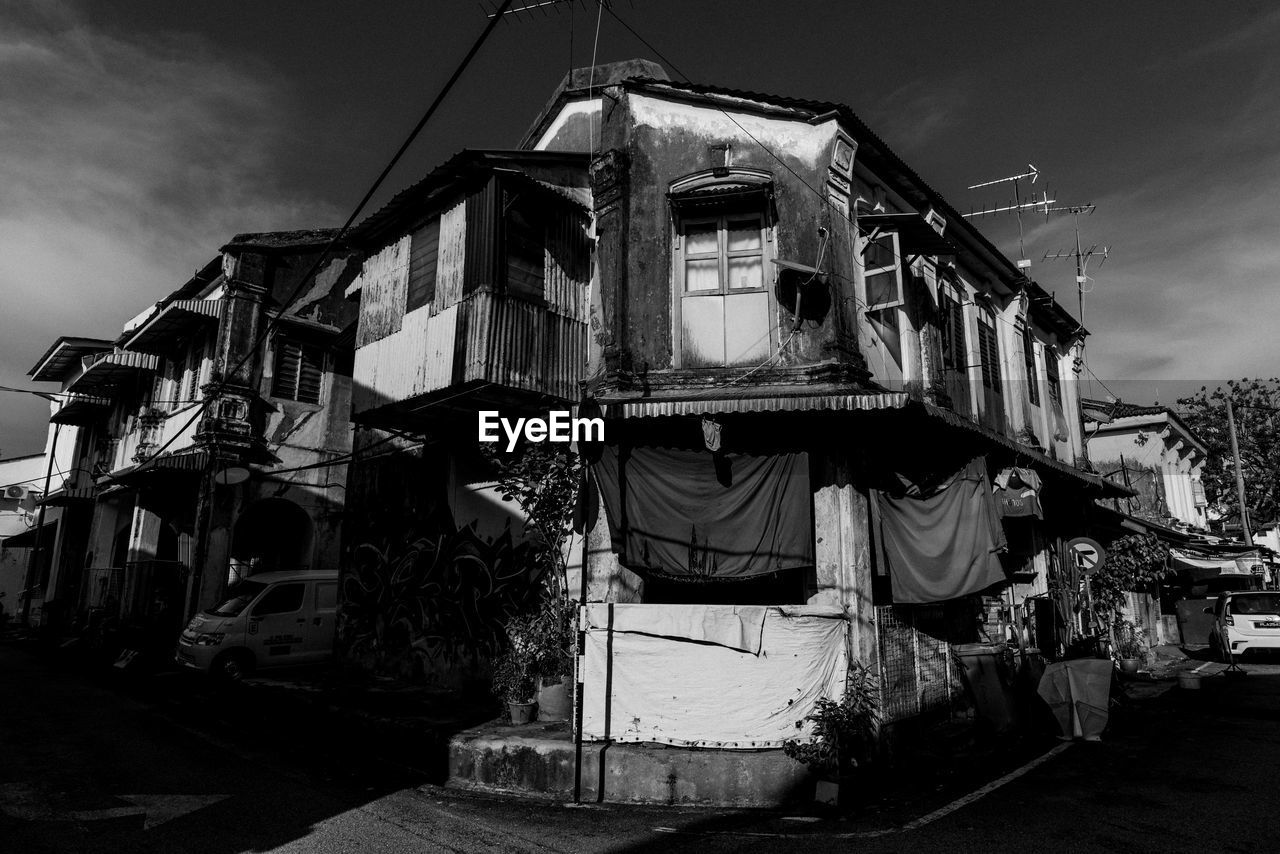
273,619
1244,621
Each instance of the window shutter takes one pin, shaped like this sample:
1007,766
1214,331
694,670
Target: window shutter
1029,357
310,374
285,382
424,248
989,350
299,372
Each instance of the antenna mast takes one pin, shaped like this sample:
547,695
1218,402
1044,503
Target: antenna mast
1080,254
1018,206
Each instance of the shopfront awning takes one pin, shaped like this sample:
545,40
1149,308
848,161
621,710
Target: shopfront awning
81,409
1043,462
192,462
104,371
177,318
72,495
765,399
27,539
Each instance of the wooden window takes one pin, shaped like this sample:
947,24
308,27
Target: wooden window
526,242
299,371
724,306
953,337
882,272
1029,358
989,352
424,247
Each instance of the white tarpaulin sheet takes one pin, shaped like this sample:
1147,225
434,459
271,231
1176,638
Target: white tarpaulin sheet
735,626
1207,567
700,692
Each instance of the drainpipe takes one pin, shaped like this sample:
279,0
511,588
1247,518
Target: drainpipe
33,560
581,649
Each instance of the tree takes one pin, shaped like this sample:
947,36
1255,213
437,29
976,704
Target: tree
1256,403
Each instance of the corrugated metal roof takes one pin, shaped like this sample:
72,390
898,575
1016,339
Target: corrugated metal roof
858,401
1042,461
157,333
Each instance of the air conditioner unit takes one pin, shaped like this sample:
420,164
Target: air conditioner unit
16,493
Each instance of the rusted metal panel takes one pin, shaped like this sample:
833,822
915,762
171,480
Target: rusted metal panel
451,262
441,342
483,239
519,345
568,264
385,280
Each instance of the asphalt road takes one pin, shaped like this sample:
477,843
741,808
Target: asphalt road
86,766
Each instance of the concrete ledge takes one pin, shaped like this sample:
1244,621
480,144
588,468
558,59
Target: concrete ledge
538,760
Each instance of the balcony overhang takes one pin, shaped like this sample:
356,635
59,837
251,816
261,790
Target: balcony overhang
105,371
178,318
64,357
187,463
1047,465
81,409
915,235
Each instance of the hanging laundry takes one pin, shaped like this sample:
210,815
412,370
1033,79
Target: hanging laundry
1018,493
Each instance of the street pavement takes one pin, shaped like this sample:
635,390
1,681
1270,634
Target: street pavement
90,765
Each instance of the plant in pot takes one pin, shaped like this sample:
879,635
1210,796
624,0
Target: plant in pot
515,675
553,650
543,479
843,738
1131,646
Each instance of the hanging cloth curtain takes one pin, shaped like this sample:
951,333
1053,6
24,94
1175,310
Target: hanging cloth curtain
694,514
943,543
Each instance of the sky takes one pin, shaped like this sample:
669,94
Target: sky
137,136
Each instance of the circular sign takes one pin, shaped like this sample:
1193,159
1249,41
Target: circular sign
1086,555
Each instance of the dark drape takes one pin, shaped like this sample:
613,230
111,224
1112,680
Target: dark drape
942,543
695,514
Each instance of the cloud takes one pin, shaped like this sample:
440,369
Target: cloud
916,115
126,165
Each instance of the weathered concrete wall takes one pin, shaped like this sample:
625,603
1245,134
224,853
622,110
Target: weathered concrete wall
665,139
526,761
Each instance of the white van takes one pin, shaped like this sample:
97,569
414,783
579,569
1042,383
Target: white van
273,619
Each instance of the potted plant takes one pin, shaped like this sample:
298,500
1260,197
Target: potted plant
515,672
843,737
544,481
553,651
1131,646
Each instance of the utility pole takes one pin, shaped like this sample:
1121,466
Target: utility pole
1235,455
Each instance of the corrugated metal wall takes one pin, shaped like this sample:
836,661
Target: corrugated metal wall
471,331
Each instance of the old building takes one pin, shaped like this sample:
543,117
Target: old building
203,436
804,355
1151,450
842,429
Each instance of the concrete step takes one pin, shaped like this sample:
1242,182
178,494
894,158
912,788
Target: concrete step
538,760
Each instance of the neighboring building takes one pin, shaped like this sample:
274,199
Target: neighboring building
176,493
1152,451
787,325
22,483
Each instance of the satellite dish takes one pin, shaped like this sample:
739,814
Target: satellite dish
232,475
802,290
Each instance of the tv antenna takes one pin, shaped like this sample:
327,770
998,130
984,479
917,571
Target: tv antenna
1080,254
1018,206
